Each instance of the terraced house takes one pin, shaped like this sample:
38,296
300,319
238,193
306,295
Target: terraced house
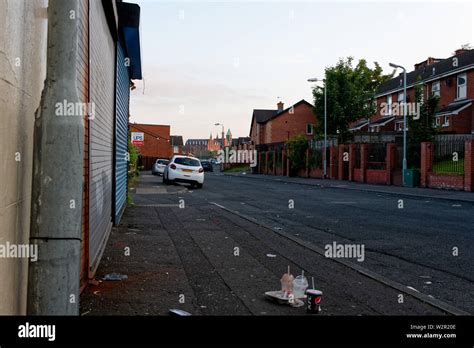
451,79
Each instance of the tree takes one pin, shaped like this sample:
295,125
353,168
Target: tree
350,96
297,146
421,126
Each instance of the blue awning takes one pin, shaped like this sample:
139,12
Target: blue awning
129,35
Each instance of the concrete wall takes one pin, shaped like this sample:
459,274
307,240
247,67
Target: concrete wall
23,33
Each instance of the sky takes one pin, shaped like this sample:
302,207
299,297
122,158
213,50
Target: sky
207,62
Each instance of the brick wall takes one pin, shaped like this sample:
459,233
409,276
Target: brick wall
153,147
288,125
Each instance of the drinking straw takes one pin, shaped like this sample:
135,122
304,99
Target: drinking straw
312,280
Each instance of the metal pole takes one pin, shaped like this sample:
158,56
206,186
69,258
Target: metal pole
325,130
405,125
58,165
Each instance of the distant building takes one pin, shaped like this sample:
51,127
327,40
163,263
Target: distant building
203,147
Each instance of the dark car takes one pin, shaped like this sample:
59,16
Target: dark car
207,166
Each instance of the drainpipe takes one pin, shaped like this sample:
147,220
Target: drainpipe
53,280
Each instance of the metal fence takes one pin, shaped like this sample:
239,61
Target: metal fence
449,155
319,144
316,159
376,156
357,155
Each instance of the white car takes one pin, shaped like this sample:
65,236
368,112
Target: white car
184,169
159,166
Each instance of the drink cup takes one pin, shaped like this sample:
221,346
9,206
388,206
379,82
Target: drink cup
313,300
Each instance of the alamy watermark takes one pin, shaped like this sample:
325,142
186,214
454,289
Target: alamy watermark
398,108
345,251
238,156
20,251
65,108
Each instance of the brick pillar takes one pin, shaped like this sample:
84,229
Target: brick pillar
352,161
333,162
469,166
364,151
307,162
340,162
274,162
266,162
426,162
283,162
390,161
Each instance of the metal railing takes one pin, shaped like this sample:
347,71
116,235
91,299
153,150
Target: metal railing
376,156
449,155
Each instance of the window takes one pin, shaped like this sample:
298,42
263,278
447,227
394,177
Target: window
175,149
309,129
435,89
186,161
400,97
462,86
446,121
389,105
437,121
399,126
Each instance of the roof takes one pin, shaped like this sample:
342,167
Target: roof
263,116
429,72
382,122
359,125
176,140
129,25
455,107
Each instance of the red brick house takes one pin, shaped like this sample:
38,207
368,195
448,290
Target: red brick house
452,79
157,140
277,126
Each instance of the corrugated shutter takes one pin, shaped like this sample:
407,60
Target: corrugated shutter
121,134
102,78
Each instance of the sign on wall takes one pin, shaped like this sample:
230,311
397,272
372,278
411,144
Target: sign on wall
138,138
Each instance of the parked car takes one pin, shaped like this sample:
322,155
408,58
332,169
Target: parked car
213,161
159,166
184,169
207,166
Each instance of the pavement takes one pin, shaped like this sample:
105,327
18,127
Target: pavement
217,250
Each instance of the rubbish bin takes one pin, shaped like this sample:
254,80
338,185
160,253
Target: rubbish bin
411,177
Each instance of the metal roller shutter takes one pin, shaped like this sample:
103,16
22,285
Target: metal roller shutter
102,78
121,134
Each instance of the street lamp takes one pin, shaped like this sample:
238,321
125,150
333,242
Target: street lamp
325,124
396,66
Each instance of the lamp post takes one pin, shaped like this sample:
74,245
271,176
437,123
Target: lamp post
223,143
325,124
396,66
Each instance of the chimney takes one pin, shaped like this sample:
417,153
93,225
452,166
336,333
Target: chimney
280,106
460,50
429,61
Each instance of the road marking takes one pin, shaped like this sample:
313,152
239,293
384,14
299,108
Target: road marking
157,205
220,206
362,270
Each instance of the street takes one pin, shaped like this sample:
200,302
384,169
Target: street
217,250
